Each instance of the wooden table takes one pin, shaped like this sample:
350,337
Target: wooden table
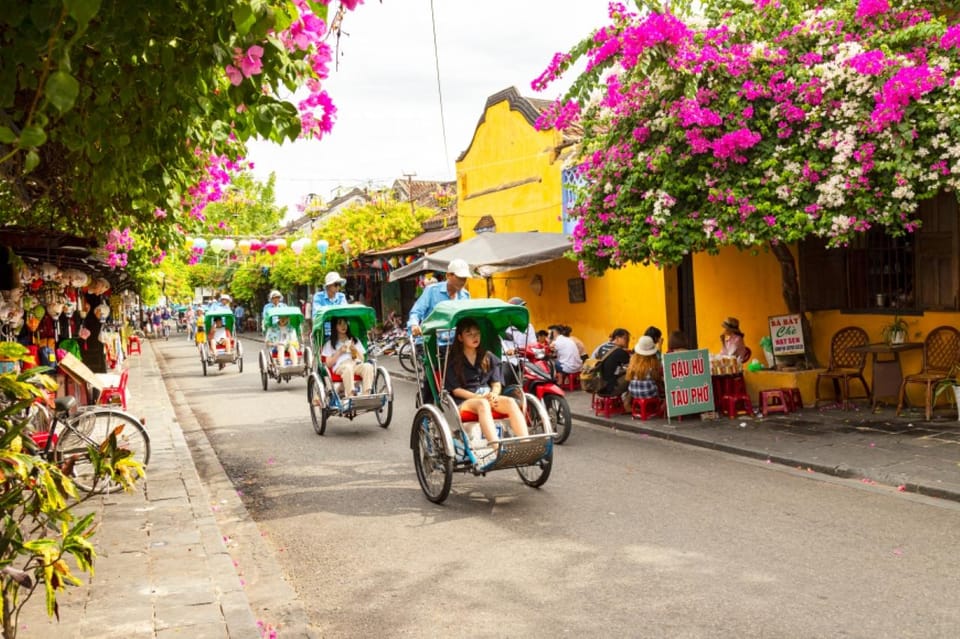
887,373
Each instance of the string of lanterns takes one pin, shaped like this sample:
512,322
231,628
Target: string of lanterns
246,246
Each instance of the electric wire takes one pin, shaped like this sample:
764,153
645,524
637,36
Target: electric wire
436,62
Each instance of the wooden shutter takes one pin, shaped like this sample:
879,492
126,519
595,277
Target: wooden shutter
936,254
823,280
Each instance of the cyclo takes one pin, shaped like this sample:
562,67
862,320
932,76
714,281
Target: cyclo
230,352
274,364
441,437
325,388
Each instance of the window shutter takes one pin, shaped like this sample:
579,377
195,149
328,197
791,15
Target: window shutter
937,249
823,281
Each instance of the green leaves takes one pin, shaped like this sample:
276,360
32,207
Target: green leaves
62,90
82,10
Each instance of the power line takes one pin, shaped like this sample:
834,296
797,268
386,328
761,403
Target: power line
436,62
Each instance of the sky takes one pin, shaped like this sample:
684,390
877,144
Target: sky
386,91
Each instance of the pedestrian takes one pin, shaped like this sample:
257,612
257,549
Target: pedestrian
239,313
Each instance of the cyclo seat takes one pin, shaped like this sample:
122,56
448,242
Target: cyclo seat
334,377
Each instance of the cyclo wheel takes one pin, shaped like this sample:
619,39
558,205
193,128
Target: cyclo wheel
263,370
537,474
558,410
406,355
91,427
382,387
434,466
316,397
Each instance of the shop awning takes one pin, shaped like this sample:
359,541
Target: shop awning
490,253
426,239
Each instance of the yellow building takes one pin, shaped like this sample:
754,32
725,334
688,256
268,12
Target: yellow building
510,179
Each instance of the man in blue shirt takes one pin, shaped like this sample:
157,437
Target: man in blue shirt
331,295
222,303
452,289
239,314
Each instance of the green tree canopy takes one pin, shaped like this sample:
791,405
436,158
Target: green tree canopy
133,115
760,122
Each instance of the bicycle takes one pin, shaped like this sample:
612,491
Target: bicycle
74,429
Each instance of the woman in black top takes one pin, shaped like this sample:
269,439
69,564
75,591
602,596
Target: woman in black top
474,379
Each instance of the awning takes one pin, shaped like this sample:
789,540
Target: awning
422,241
490,253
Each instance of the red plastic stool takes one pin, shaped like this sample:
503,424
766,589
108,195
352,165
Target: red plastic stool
609,405
733,405
133,345
646,407
794,399
571,381
773,401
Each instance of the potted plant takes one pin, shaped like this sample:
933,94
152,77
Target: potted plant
951,383
896,331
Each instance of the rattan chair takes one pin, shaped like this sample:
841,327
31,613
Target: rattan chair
845,365
941,351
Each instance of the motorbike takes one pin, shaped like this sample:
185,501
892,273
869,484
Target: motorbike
536,374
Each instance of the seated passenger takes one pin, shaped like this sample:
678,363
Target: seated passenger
344,355
645,372
220,338
473,378
283,342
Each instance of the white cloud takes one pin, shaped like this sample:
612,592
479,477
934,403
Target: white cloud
388,120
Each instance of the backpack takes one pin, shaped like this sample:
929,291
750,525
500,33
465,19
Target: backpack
591,375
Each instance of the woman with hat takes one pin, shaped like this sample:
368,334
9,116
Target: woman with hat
732,340
645,372
331,295
275,301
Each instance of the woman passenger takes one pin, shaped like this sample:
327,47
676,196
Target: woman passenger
344,355
474,379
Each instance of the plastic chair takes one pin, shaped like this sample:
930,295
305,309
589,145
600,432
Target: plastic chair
133,345
768,405
609,405
646,407
570,382
941,351
111,394
845,365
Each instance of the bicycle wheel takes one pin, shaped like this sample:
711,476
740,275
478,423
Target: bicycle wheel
406,355
559,412
91,427
536,475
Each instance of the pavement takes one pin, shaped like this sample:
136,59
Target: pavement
169,564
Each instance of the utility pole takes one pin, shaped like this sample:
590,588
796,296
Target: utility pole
410,177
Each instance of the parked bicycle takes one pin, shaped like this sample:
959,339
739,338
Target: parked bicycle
65,435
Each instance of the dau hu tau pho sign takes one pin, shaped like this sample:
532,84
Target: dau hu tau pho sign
687,381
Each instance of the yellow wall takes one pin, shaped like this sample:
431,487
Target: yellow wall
742,284
511,172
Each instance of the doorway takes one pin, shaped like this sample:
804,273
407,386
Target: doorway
685,298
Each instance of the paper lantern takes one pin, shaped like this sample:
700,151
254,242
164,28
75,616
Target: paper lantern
297,246
394,263
188,243
200,243
244,246
322,246
216,245
256,245
228,244
271,248
281,243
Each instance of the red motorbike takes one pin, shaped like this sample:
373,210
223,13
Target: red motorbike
538,378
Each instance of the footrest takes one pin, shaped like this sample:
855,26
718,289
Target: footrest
520,451
363,402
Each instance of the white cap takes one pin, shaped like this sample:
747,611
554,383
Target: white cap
224,296
275,293
333,278
459,268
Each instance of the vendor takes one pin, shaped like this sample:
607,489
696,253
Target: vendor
732,340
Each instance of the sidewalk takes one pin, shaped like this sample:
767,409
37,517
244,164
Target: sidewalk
162,569
905,452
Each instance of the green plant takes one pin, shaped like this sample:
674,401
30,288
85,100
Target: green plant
39,528
896,326
946,384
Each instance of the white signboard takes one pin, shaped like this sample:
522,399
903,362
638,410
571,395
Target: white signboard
787,335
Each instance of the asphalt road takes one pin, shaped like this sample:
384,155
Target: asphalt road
631,536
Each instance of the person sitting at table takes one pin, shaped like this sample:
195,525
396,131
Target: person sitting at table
677,341
645,372
567,356
732,340
616,357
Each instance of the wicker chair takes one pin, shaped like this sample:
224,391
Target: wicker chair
845,365
941,351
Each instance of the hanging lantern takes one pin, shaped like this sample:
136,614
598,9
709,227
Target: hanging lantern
297,246
281,243
271,248
188,243
244,246
216,245
256,245
322,246
394,262
228,244
200,243
377,263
